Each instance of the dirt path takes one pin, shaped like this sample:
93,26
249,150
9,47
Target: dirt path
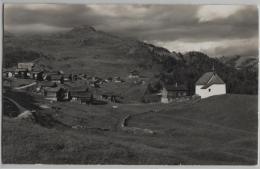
26,86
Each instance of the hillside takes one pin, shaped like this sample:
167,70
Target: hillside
191,65
223,110
14,55
217,130
240,62
84,49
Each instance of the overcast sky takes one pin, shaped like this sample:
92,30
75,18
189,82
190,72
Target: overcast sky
214,29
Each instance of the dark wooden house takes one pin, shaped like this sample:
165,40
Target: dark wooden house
133,74
55,93
80,94
22,73
171,92
67,77
57,78
37,75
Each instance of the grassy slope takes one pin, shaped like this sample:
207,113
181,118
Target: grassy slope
240,62
212,131
92,52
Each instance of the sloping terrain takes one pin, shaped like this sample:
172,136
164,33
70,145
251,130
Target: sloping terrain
240,62
84,49
218,130
87,50
224,111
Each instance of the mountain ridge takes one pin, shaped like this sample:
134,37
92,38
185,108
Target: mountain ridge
84,49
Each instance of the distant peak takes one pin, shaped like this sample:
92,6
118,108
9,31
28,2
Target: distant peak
83,28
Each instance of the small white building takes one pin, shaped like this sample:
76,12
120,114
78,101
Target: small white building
210,84
8,74
29,66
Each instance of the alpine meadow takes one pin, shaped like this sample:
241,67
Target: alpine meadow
130,84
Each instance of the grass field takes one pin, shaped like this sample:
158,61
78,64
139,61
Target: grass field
217,130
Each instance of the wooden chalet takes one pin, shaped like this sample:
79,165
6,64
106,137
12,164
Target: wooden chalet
45,84
9,73
57,78
83,97
27,65
22,73
112,97
80,94
67,77
37,75
171,92
133,74
55,93
109,93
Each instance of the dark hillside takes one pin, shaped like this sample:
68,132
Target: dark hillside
194,64
13,55
85,49
240,62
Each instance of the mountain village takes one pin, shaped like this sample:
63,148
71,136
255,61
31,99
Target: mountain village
129,84
84,89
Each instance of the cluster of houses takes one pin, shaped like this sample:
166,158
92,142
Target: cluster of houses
209,84
60,92
58,86
25,71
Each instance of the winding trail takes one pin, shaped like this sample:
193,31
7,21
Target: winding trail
26,86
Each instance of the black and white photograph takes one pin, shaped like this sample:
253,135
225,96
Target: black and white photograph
129,84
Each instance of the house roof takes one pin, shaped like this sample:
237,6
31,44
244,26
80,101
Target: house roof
175,88
36,71
48,84
52,89
20,70
110,93
134,72
5,71
67,75
110,89
80,94
8,69
25,65
209,79
78,88
56,77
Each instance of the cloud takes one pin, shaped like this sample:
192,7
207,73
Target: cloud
58,15
212,12
176,27
225,47
35,28
243,47
132,11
